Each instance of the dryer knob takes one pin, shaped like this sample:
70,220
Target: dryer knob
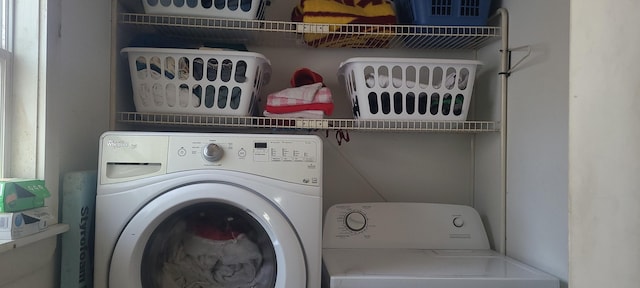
355,221
458,222
212,152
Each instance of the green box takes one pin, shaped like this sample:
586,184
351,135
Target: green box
22,194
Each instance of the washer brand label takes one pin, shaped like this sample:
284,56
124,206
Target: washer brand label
120,144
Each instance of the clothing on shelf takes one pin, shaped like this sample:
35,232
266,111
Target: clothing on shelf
349,12
307,98
304,76
303,98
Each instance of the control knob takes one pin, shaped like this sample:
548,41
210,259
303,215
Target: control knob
355,221
212,152
458,222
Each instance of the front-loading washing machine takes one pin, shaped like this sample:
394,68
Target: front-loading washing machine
178,210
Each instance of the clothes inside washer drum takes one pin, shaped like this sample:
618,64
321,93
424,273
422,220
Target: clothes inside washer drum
200,262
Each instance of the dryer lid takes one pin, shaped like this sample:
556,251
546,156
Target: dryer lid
404,268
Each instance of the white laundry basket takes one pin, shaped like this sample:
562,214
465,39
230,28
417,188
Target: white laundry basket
234,9
409,88
196,81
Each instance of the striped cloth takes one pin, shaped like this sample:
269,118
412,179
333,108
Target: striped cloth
379,12
303,98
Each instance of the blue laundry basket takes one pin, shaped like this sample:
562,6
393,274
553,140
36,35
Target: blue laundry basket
443,12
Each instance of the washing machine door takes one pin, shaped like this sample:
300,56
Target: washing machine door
208,235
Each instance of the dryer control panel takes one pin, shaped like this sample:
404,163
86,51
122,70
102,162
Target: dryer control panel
293,158
403,225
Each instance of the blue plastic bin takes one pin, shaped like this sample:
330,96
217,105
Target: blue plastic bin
443,12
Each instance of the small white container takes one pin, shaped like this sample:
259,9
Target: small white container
409,88
233,9
196,81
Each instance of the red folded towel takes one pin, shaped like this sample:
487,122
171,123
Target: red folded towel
307,97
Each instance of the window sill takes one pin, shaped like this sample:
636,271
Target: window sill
53,230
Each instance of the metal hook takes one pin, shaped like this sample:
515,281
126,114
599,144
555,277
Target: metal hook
342,135
514,66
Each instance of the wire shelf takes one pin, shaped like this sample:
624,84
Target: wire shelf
282,33
296,123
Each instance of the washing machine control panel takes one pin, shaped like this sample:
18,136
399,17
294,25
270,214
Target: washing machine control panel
293,159
212,152
127,156
403,225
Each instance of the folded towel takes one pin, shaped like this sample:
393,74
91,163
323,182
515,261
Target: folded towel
307,97
346,12
357,12
294,96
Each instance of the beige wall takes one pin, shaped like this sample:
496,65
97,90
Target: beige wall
604,144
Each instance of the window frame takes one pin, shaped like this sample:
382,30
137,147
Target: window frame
24,110
6,83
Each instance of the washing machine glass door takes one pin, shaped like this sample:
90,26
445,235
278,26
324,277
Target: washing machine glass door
208,235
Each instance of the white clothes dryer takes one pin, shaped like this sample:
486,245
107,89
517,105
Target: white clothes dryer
410,245
178,210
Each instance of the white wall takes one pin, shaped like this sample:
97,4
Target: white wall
604,141
77,85
537,148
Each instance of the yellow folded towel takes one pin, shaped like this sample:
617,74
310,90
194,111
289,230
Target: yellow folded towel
378,12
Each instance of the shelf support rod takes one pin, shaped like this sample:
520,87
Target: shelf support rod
504,26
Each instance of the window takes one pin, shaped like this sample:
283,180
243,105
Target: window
6,59
23,33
